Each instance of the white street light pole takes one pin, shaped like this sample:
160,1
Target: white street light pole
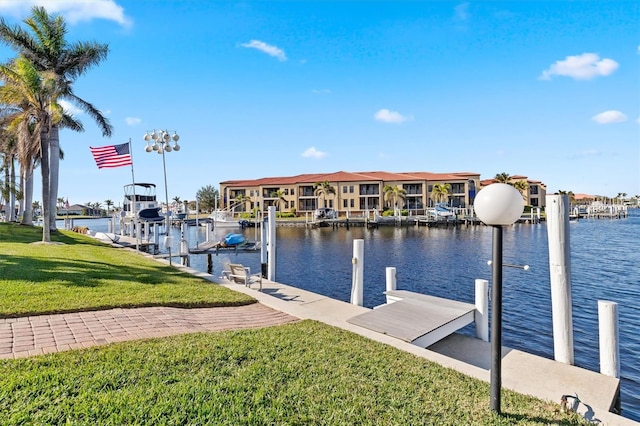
497,205
161,143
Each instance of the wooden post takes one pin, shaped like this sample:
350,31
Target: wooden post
482,310
560,275
358,273
609,343
391,278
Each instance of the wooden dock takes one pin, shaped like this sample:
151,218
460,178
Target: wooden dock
417,318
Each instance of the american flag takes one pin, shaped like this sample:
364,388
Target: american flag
112,155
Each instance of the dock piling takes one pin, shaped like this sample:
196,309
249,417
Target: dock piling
357,284
608,338
482,310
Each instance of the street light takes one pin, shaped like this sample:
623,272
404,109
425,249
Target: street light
161,144
497,205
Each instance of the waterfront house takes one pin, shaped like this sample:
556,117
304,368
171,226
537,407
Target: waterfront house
353,192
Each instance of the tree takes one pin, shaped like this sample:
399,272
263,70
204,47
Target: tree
108,202
241,200
31,99
393,194
522,186
324,189
440,192
503,177
46,47
207,197
279,196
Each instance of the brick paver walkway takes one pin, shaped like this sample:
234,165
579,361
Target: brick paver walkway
35,335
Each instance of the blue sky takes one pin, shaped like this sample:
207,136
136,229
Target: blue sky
546,89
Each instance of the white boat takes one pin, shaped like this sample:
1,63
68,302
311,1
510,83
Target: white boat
139,197
223,219
441,210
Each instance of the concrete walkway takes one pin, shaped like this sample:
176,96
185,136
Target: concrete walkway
35,335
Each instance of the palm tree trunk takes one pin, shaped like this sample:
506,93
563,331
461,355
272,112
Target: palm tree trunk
27,198
46,205
12,197
54,169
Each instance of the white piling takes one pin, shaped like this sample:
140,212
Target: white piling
482,310
391,278
156,236
271,248
560,276
357,285
263,247
609,343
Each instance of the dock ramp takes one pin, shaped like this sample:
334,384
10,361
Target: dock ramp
417,318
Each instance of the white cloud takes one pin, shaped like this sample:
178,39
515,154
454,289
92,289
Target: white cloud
608,117
72,10
266,48
69,108
314,153
387,116
462,11
321,91
581,67
639,49
591,152
132,121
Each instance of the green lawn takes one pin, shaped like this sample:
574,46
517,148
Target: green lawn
301,373
85,274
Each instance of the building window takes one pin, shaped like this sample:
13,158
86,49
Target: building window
286,191
351,189
533,189
344,202
344,190
351,202
534,202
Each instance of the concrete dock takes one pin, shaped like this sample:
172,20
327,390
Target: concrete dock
521,372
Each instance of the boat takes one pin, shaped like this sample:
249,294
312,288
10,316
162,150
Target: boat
223,219
150,215
441,210
139,197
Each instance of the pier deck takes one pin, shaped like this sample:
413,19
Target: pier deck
416,318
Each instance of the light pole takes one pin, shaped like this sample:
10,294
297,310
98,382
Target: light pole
497,205
161,144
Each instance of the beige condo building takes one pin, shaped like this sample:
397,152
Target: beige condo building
357,192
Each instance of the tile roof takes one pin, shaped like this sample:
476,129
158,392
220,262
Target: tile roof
342,176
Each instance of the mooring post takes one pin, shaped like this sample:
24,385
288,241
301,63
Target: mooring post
608,338
263,246
358,273
391,278
481,316
271,256
560,276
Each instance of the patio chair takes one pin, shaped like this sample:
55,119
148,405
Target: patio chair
242,274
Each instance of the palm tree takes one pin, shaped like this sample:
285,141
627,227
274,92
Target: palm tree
45,46
522,186
279,195
503,177
108,202
32,107
394,193
324,189
440,192
241,200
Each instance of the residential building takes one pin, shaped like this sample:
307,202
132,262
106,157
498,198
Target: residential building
353,192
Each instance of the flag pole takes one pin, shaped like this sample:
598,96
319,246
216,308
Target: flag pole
133,202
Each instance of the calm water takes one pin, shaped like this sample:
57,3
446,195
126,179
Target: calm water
605,265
